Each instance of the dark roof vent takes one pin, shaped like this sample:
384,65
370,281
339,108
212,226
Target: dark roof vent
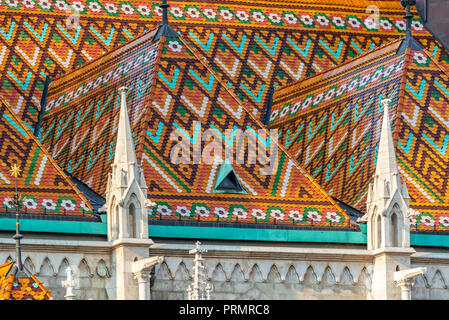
227,181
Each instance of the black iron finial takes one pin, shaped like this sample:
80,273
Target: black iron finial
408,15
37,128
269,106
17,237
165,29
408,40
17,203
164,7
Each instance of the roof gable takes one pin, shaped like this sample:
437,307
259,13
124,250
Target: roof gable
193,94
183,96
337,140
81,123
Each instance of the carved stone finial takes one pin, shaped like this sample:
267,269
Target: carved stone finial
149,203
200,289
70,283
386,103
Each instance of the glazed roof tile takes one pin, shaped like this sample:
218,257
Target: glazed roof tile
336,137
44,186
181,93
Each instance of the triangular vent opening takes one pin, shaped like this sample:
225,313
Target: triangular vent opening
227,181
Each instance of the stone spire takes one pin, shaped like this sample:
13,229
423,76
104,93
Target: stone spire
127,209
386,165
388,200
126,189
125,147
387,217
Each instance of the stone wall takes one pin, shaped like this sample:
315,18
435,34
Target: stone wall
264,273
265,280
291,273
433,284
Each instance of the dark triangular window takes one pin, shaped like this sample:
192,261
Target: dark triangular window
227,181
230,183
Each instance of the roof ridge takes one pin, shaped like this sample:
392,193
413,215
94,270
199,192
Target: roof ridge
96,59
382,47
40,284
444,69
203,61
140,145
45,151
401,95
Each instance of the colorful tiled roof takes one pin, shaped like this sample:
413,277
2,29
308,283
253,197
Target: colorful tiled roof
20,288
331,124
173,88
254,45
251,47
42,183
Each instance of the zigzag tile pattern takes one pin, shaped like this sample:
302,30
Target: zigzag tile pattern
5,281
80,126
254,47
287,194
331,122
42,184
423,138
337,141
